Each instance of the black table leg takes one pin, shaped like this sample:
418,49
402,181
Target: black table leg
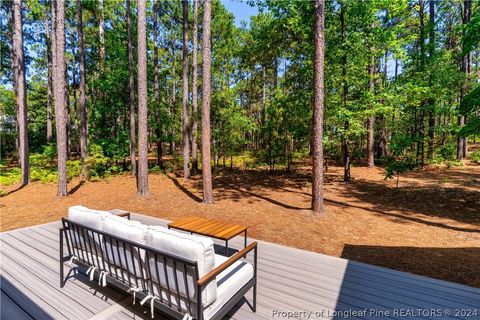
245,240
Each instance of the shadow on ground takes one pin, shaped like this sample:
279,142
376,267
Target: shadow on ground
429,262
419,204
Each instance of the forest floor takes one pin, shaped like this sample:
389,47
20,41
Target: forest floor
430,225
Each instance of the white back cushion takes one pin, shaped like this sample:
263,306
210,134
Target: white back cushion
191,247
90,218
123,255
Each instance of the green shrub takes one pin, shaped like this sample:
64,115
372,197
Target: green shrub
39,160
396,167
448,152
10,176
74,168
454,163
115,170
43,175
96,162
155,169
50,151
475,156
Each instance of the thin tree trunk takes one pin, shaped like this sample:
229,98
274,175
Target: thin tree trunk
21,91
431,112
156,86
133,157
318,101
194,88
185,120
49,79
467,14
101,36
371,119
206,90
59,86
346,152
142,177
83,97
173,105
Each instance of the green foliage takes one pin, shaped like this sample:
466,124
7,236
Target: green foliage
50,151
475,156
97,163
10,176
261,104
399,166
448,152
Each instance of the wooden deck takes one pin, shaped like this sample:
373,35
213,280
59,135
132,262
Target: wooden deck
315,286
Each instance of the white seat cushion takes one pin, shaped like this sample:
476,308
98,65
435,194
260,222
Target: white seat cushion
128,258
89,218
228,282
191,247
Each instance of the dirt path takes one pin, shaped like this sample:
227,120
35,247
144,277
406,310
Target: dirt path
429,226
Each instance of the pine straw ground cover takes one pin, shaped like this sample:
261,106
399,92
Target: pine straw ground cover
430,225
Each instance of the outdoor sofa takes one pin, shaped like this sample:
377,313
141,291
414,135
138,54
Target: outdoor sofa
178,273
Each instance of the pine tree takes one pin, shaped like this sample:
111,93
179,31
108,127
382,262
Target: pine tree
206,92
318,101
21,91
142,175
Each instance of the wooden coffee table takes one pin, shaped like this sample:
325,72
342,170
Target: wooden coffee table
210,228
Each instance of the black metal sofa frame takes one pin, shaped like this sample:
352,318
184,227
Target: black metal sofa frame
121,278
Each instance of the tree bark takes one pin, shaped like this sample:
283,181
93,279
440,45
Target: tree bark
48,37
185,120
156,86
206,90
318,105
371,119
21,92
346,151
173,107
59,86
194,129
133,157
142,177
83,97
462,142
431,112
101,36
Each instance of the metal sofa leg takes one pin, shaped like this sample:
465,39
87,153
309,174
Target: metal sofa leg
254,306
61,257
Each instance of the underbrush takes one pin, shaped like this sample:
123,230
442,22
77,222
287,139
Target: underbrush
475,156
43,167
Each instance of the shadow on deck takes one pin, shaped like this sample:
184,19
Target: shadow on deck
292,283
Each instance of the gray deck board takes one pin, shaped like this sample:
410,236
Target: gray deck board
289,279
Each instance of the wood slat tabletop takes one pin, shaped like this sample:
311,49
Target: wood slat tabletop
208,227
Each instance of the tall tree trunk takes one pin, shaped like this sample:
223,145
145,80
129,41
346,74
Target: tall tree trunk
59,86
48,37
194,129
101,36
206,90
21,91
131,84
156,86
83,97
462,142
142,177
318,101
421,113
371,119
346,152
431,112
173,107
185,120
